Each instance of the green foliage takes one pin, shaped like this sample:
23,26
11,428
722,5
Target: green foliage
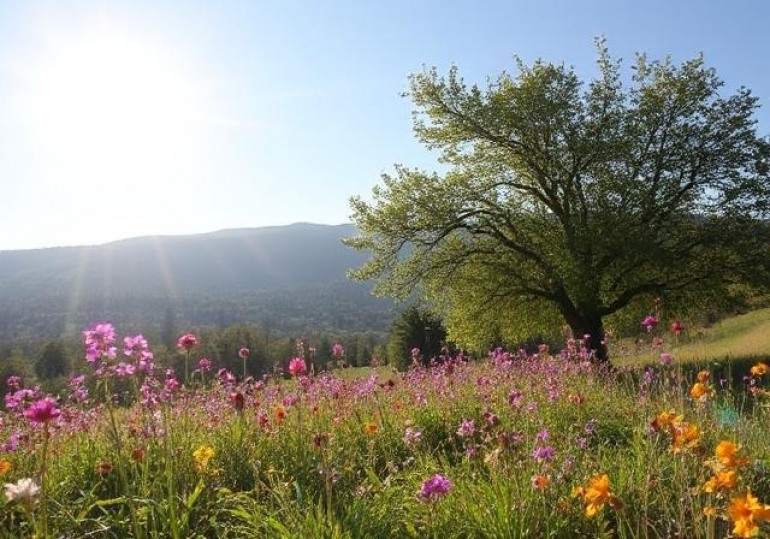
415,328
53,361
569,201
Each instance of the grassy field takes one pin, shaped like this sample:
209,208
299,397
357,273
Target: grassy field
511,446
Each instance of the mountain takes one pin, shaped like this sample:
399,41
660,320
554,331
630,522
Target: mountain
290,278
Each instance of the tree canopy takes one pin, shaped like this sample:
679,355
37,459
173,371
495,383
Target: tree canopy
566,201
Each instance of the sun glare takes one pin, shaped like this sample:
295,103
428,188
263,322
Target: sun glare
106,106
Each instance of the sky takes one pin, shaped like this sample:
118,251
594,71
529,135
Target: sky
124,118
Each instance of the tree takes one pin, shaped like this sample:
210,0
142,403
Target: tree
565,201
415,328
53,361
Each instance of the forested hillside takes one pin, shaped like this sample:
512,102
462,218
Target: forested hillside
284,278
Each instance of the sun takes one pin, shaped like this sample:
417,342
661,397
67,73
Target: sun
107,106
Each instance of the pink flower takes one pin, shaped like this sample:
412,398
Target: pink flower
338,350
243,353
666,358
415,352
186,342
297,366
466,428
42,411
204,364
435,488
99,342
650,322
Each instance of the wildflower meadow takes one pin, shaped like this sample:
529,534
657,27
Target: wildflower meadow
513,445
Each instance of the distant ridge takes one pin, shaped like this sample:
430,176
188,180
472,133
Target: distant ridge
292,277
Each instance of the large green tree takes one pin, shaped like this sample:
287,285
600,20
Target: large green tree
565,201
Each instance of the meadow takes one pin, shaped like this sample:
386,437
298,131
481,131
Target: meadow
674,442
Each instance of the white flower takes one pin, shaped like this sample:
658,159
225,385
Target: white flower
25,491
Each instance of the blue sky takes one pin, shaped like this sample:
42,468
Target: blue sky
129,118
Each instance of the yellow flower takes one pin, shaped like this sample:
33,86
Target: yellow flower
699,390
726,454
760,369
721,481
5,467
370,428
747,512
685,436
710,511
202,456
596,494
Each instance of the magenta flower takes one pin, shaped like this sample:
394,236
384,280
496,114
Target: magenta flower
187,342
243,353
99,342
204,364
297,366
415,352
666,358
13,382
435,488
42,411
677,327
338,350
650,322
544,453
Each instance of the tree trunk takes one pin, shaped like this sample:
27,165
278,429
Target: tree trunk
592,327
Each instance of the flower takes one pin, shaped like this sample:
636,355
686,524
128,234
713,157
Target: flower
596,494
540,481
5,467
297,366
759,369
202,456
42,411
238,401
24,491
204,364
243,353
466,428
99,342
370,428
666,358
543,454
747,512
338,350
650,322
726,452
684,436
703,376
677,327
187,342
721,481
435,488
412,436
699,390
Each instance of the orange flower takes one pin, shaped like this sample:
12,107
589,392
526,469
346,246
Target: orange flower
540,481
370,428
710,511
721,481
685,436
746,512
666,420
703,376
5,467
699,390
726,454
596,494
759,369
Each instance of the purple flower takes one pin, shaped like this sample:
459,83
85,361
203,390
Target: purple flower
42,411
412,436
542,435
466,428
435,488
543,454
